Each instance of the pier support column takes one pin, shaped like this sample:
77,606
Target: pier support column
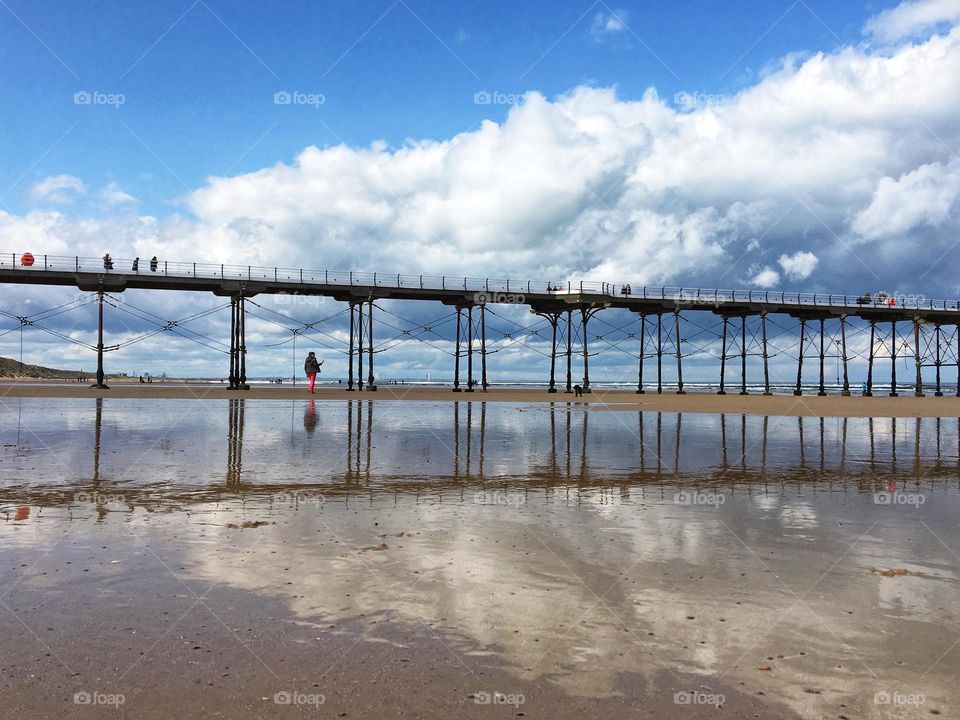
483,351
893,359
553,318
569,351
643,323
822,391
232,377
743,355
659,353
676,337
456,365
766,356
238,348
371,385
723,357
350,362
918,387
803,338
360,332
100,384
470,348
242,347
843,351
873,334
939,361
585,316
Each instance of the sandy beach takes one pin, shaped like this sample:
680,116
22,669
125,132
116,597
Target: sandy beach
625,400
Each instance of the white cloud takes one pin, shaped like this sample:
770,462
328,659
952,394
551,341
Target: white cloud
798,266
767,277
609,23
111,194
924,196
910,18
60,189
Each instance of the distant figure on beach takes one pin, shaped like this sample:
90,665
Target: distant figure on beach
311,366
142,381
577,391
153,264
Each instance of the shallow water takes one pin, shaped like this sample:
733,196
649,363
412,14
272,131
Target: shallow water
811,563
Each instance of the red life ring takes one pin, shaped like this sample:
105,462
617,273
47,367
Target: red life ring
26,259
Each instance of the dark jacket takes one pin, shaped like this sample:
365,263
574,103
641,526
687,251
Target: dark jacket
311,365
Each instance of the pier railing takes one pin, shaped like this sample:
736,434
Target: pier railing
691,297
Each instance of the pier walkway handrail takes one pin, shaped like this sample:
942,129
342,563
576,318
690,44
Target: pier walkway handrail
347,278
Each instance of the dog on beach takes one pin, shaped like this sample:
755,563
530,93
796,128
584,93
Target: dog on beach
577,391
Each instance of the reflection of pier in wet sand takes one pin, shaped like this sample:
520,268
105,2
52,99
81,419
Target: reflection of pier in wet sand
358,447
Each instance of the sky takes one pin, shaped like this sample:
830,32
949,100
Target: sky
799,145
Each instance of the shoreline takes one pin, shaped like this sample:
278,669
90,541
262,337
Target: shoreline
600,399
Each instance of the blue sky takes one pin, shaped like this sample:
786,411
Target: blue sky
800,145
198,78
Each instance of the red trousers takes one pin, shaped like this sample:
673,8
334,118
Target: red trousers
312,377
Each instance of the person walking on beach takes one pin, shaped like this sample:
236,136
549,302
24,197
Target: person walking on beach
311,366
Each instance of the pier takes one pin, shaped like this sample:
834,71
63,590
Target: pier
924,331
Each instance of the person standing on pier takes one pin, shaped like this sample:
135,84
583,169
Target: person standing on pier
311,366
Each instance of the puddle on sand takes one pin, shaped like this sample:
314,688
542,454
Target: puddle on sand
574,549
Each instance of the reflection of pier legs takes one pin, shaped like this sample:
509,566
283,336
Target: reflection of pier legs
235,442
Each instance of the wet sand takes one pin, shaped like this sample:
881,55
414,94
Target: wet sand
410,559
692,402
